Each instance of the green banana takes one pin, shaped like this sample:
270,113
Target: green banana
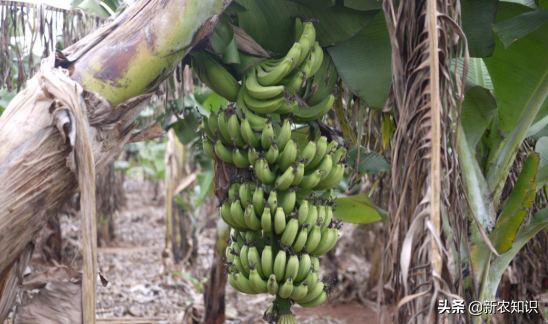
312,217
273,201
309,152
314,238
252,155
207,130
258,91
310,181
244,260
316,59
312,293
213,122
288,155
279,221
233,191
263,172
229,256
256,122
286,289
274,76
258,200
244,284
303,212
321,150
208,148
223,127
284,180
312,278
292,267
272,154
223,153
247,134
238,263
325,165
272,285
251,219
234,131
267,135
279,265
266,220
306,114
300,241
325,242
240,159
307,39
237,213
254,260
333,178
315,262
284,135
300,291
267,260
323,83
322,210
245,194
304,267
288,200
328,215
215,76
322,298
294,82
340,153
225,215
290,232
299,174
256,282
263,106
288,107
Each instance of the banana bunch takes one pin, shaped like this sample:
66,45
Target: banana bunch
281,213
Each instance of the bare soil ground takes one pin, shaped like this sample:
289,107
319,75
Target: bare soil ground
145,286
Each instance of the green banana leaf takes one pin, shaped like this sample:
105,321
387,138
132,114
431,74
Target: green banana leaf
513,29
316,3
478,110
520,71
539,221
363,4
517,205
370,162
364,62
477,18
271,23
222,35
477,72
358,209
93,7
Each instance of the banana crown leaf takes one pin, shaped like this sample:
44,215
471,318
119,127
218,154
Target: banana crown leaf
358,209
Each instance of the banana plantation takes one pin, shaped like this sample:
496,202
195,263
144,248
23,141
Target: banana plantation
273,161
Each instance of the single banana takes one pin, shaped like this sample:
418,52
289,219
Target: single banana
247,133
245,194
215,76
321,150
325,242
299,174
223,153
300,291
209,148
237,213
233,283
325,165
255,261
333,178
257,283
223,127
251,219
252,155
288,156
312,293
292,267
309,152
322,298
267,135
258,200
240,158
312,279
272,201
288,107
225,215
316,54
284,180
335,239
300,241
255,121
284,135
315,262
306,114
267,260
279,265
266,220
322,210
244,284
312,217
234,131
286,289
263,172
244,260
263,106
308,37
272,285
238,263
304,267
272,154
294,82
213,122
288,200
310,181
290,232
279,221
303,212
207,130
314,238
274,76
258,91
328,215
